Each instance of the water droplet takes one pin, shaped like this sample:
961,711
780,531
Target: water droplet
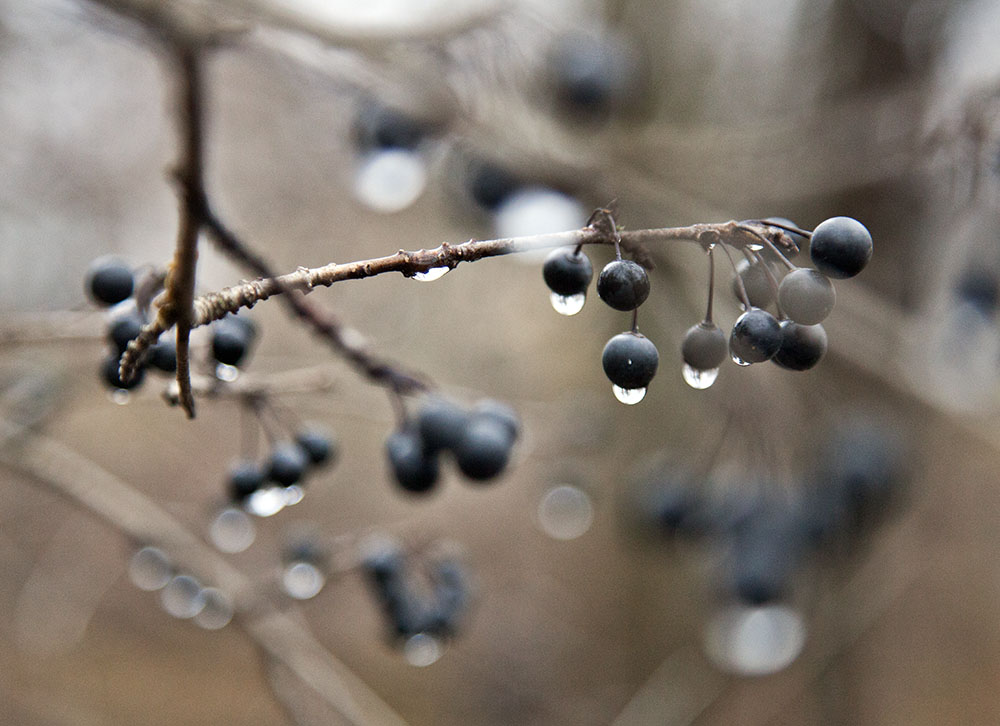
739,361
120,396
422,650
302,580
217,611
149,569
227,373
567,304
293,495
266,502
700,379
390,180
755,247
232,531
434,273
565,512
630,396
182,597
755,641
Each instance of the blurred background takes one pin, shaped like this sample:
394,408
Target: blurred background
780,548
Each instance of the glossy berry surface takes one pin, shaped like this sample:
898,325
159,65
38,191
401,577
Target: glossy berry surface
109,281
231,339
623,284
491,408
630,360
704,346
414,469
806,296
163,355
124,328
245,477
109,372
485,448
318,444
287,464
840,247
441,423
757,284
802,346
567,271
756,336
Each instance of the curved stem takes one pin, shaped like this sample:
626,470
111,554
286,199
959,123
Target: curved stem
711,286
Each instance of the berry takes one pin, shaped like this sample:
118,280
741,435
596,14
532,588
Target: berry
232,337
245,477
592,75
756,336
764,551
415,469
491,408
109,371
806,296
802,346
441,423
287,464
704,346
980,289
755,281
623,284
163,355
490,185
840,247
381,127
124,328
630,360
319,446
567,271
109,281
485,448
450,590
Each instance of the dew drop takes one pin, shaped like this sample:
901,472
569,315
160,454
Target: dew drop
226,372
293,495
182,597
422,650
267,501
232,531
302,580
149,569
217,611
698,378
434,273
565,512
120,396
630,396
755,247
755,641
390,180
567,304
739,361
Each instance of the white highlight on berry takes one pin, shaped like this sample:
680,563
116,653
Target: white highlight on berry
226,372
266,502
755,641
629,396
565,512
217,612
699,379
390,180
434,273
302,580
232,531
149,569
567,304
422,650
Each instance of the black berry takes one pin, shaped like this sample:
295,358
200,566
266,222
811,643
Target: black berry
802,346
232,337
441,423
109,281
245,477
414,468
124,328
840,247
806,296
318,444
704,346
163,355
485,448
491,185
567,271
630,360
287,464
756,282
491,408
109,371
623,284
381,127
756,336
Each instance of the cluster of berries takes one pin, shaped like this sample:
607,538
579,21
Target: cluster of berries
408,610
767,534
630,359
480,439
840,248
265,487
111,283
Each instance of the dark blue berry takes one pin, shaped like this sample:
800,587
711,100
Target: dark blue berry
491,408
232,337
704,346
163,355
567,271
630,360
802,346
485,448
756,336
318,445
287,464
382,127
125,328
441,423
109,281
840,247
109,371
245,477
414,468
491,185
623,284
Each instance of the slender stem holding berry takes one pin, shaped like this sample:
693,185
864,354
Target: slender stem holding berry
635,320
785,227
744,297
711,286
772,281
